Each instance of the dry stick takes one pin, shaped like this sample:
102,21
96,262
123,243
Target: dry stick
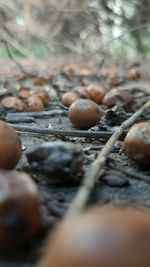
131,174
11,56
63,133
35,114
97,167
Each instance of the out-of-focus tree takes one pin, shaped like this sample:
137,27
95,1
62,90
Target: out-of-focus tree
81,26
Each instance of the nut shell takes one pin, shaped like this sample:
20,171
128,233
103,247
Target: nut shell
116,97
96,93
69,98
101,237
84,113
43,95
137,143
10,146
82,92
35,104
13,103
19,209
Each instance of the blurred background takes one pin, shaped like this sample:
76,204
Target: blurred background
116,28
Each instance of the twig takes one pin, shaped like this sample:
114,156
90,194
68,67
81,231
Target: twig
73,133
11,56
15,44
97,167
19,119
131,174
40,114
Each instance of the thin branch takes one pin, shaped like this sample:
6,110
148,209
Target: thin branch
97,167
131,174
11,56
73,133
40,114
15,44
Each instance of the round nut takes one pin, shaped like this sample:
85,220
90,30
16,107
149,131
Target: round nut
96,93
35,104
10,146
82,92
84,113
116,97
137,143
24,93
101,237
13,103
69,98
19,209
43,95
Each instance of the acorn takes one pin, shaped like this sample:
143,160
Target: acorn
24,92
84,113
70,70
69,98
43,95
116,97
96,93
35,104
133,73
10,146
100,237
20,215
85,71
13,103
43,79
82,92
137,143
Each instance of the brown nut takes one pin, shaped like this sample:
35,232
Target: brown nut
101,237
133,73
70,70
84,113
69,98
35,104
13,103
43,95
82,92
116,97
137,142
10,146
43,78
96,93
19,209
85,71
24,93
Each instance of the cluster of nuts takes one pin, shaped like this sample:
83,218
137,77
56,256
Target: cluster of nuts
92,92
19,201
83,103
27,100
100,237
97,93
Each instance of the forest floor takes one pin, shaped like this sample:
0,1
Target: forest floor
124,181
